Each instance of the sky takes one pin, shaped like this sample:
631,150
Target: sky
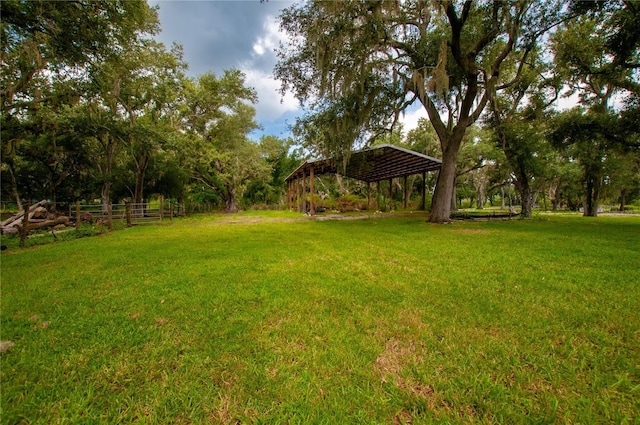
241,34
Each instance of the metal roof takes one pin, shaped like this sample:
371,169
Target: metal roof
374,164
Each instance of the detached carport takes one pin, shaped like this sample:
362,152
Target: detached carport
373,165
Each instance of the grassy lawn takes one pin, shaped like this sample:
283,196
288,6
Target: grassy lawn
363,321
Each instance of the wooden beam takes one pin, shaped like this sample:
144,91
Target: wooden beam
298,193
287,184
424,191
404,194
312,209
304,192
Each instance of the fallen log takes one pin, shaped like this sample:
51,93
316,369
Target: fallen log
20,214
48,223
39,213
9,230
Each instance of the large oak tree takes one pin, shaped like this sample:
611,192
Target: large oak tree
358,64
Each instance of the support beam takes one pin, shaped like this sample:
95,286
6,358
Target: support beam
304,192
286,193
291,194
404,194
424,191
368,195
390,194
378,195
298,193
312,208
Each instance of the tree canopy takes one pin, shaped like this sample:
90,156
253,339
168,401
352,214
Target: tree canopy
360,64
94,107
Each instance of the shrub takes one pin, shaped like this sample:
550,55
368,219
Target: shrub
348,203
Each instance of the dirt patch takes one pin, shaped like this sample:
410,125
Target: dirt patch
161,321
5,346
234,219
471,231
392,361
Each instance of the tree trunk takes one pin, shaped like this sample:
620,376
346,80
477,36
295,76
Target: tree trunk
526,196
445,186
554,195
480,196
623,198
14,187
230,203
105,196
141,171
592,196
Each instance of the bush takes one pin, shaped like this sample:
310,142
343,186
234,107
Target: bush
348,203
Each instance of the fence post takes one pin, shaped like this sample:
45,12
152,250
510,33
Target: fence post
25,224
170,210
128,213
77,215
162,206
109,217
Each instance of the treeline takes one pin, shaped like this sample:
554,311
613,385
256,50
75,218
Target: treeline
500,66
94,108
555,170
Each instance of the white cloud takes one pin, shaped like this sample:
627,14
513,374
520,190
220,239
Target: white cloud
271,104
269,41
410,119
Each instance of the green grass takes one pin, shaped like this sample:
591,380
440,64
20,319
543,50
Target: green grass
364,321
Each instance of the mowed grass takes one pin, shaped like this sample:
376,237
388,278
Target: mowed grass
363,321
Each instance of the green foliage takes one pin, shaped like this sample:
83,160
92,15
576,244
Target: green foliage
217,120
93,107
361,321
347,203
588,138
361,64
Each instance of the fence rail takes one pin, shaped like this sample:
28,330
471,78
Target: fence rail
130,213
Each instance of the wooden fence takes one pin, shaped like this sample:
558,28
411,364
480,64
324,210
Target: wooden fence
129,214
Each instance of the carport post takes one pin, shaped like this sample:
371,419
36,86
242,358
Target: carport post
404,194
297,193
424,191
312,209
286,192
304,191
368,195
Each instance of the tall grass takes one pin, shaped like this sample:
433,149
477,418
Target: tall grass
367,321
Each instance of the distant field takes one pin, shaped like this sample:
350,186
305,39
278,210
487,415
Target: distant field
372,321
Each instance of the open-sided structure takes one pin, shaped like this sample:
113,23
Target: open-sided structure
372,165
